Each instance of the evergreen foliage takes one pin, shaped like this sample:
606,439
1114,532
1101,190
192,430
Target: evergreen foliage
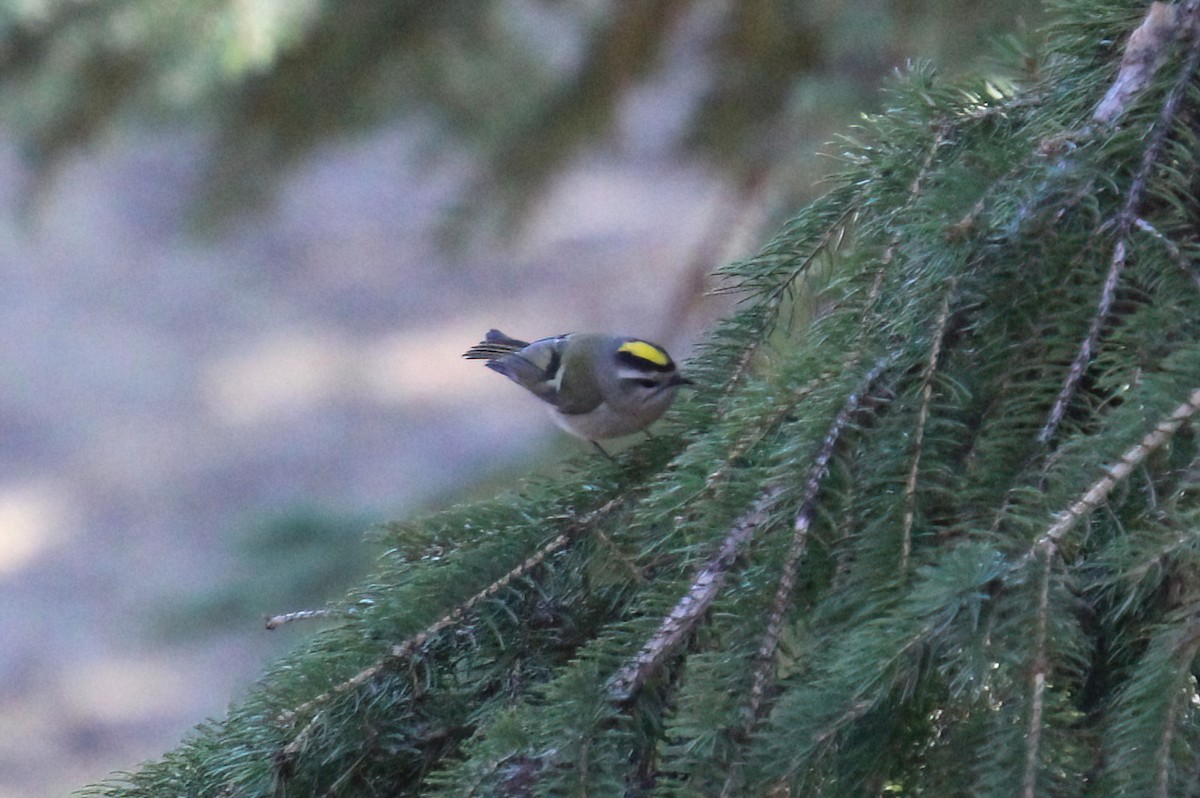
927,528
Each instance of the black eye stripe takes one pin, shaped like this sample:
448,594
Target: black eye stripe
554,364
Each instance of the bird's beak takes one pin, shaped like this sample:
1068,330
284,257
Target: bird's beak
679,379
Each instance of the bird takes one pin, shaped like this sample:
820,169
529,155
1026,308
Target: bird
597,386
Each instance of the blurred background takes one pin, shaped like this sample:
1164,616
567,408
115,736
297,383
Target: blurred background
244,242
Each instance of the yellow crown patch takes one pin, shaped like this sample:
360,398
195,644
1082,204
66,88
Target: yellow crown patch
645,351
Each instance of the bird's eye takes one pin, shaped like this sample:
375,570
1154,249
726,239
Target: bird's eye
647,383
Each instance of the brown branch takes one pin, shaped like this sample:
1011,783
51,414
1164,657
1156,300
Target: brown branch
765,658
1075,373
1186,20
1047,546
1177,257
787,579
687,611
910,485
1188,647
783,596
1131,459
705,588
411,644
1164,747
276,621
1037,688
766,652
1145,52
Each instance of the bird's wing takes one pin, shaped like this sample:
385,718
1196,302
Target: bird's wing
495,344
577,369
535,367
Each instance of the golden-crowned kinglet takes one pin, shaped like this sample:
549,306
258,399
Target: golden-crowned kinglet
597,386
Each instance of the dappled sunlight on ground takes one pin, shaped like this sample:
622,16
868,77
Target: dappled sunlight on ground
32,520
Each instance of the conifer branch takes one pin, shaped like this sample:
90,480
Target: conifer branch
1075,373
765,658
1131,459
1186,653
705,588
787,580
407,647
680,621
822,738
914,660
1037,688
1047,546
742,365
914,189
1163,758
1172,248
276,621
1138,572
1189,14
1145,52
855,711
829,240
910,485
634,569
758,432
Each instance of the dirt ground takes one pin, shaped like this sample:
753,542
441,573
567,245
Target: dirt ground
161,393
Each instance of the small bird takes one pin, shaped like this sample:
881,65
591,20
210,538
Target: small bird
597,386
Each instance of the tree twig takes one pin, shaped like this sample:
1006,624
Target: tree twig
910,484
1177,257
1186,20
1131,459
732,231
1047,546
1145,52
276,621
765,658
411,644
760,430
704,589
1037,679
1188,647
680,621
829,240
914,188
787,578
1075,373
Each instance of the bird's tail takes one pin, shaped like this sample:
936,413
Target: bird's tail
495,344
